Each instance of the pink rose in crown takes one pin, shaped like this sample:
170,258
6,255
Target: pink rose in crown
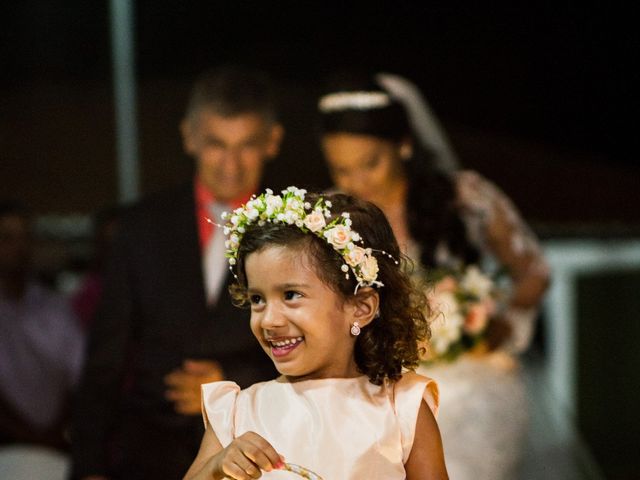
356,255
339,236
315,221
369,268
476,319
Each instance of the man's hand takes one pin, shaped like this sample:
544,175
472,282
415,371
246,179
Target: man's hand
184,384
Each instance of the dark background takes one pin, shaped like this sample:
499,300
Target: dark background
541,99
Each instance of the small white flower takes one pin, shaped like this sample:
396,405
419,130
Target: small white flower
252,214
234,241
344,267
328,204
274,202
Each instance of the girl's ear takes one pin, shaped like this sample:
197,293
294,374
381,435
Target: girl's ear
365,304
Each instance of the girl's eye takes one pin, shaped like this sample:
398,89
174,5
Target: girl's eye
255,299
291,295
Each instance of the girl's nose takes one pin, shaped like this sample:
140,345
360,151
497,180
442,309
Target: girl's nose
272,318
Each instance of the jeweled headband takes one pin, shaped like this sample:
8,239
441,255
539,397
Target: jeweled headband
290,208
360,100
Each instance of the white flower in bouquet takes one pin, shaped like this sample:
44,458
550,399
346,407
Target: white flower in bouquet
461,304
476,283
445,331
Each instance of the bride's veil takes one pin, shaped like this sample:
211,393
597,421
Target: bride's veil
425,124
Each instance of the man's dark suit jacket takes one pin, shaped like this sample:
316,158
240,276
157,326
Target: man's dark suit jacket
153,315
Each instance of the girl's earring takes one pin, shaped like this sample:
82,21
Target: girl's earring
355,329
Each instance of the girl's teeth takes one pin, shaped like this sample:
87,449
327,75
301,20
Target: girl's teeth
288,341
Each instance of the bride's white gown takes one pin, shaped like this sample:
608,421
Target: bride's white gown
484,414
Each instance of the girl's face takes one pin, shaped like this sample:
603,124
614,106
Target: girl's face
300,322
364,166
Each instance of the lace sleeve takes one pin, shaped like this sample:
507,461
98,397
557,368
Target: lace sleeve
495,226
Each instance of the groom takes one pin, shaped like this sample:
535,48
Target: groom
166,324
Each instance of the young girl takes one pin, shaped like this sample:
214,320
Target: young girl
334,311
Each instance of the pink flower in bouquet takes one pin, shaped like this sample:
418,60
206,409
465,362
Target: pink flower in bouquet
490,305
447,284
476,319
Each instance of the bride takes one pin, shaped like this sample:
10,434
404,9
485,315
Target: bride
382,144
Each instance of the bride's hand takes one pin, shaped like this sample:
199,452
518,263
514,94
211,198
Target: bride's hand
244,458
498,331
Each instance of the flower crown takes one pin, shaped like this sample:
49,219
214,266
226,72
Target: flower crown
290,208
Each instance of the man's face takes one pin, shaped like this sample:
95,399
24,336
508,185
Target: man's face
230,152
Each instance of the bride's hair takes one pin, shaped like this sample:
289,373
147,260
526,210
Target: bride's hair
389,343
355,103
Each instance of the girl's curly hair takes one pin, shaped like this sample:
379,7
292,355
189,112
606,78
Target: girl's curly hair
389,343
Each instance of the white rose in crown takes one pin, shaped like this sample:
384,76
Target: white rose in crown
369,268
339,236
355,256
315,221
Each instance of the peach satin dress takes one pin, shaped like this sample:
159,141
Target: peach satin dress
339,428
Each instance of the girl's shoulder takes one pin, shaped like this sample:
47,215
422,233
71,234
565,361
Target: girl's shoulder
412,388
408,394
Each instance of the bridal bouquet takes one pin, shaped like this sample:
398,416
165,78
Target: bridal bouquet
461,303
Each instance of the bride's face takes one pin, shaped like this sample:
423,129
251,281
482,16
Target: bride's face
364,166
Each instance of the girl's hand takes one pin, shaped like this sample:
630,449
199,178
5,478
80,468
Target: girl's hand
244,458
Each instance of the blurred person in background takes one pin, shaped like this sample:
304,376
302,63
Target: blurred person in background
41,348
165,324
382,144
86,297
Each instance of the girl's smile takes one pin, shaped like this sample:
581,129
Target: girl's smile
283,345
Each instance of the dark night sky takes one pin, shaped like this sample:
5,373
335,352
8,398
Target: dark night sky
562,75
